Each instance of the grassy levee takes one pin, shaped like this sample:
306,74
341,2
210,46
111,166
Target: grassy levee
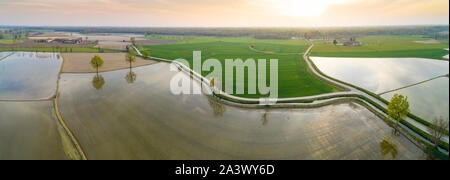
385,47
295,79
410,115
185,49
362,100
72,147
308,103
425,135
425,146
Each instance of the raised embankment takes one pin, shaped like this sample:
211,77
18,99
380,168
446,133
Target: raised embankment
414,130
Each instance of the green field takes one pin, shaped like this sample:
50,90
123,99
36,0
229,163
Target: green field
281,48
295,80
10,40
383,46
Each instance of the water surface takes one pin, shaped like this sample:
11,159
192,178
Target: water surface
381,74
3,54
29,75
133,115
28,131
429,100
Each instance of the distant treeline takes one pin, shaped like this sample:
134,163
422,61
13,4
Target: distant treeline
437,32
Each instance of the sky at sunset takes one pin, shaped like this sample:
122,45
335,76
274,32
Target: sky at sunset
223,13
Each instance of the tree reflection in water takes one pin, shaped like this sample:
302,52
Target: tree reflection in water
218,109
264,119
98,81
387,147
130,77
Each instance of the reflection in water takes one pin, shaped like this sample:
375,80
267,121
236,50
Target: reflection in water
427,100
381,74
130,77
384,74
388,148
264,118
28,75
218,108
98,81
28,130
152,123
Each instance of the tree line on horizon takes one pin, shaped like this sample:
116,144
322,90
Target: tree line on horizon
436,32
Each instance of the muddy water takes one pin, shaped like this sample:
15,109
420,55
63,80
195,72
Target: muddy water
123,115
29,76
28,130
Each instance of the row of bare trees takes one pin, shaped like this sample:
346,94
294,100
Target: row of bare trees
97,62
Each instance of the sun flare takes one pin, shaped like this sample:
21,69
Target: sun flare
304,7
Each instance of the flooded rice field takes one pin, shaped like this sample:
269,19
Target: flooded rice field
29,76
387,76
115,118
131,114
428,100
28,130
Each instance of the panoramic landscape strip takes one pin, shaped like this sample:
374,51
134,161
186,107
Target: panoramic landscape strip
224,80
412,127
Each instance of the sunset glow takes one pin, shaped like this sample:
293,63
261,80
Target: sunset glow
229,13
304,7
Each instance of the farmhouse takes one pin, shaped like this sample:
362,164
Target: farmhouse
67,40
61,40
352,42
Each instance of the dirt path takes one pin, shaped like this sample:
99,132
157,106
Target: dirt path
80,62
442,76
271,52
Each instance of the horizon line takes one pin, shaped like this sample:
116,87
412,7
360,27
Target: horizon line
350,26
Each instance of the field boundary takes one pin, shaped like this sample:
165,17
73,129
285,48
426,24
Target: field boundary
68,132
271,52
415,84
287,102
3,58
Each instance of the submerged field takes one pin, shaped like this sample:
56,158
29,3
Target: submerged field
384,46
424,81
144,120
28,76
29,131
131,113
295,80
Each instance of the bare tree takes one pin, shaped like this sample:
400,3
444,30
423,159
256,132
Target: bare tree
133,40
438,129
